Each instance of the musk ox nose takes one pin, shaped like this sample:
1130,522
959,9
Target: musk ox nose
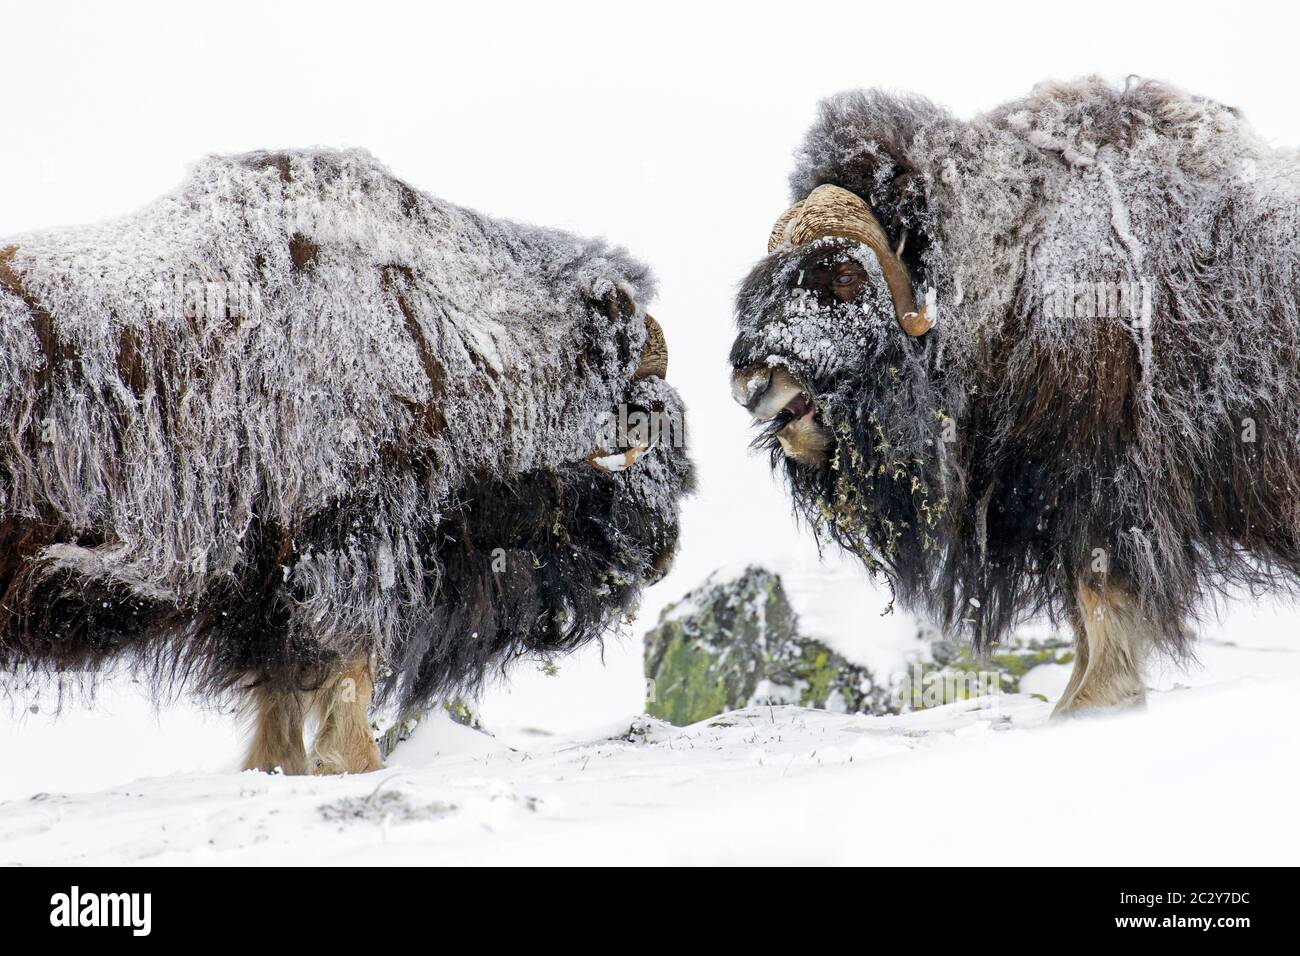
653,362
766,392
748,384
775,397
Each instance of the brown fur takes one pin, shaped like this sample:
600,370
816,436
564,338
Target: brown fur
302,251
277,733
344,742
805,441
396,278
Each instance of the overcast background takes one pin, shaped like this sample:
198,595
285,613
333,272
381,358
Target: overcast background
666,127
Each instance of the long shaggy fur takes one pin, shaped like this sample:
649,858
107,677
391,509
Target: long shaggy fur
381,454
1018,448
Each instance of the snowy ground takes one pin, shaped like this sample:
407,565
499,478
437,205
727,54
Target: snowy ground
1206,774
1202,777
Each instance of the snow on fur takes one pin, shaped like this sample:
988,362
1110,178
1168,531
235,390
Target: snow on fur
281,415
1151,442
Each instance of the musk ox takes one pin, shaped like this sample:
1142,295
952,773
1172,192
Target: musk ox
1042,362
300,432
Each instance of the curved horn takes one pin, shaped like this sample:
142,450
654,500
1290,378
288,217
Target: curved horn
832,211
654,356
781,231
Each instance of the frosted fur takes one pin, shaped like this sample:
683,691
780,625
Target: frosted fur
1160,438
399,353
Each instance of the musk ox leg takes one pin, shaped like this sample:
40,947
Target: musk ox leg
277,732
1111,641
344,743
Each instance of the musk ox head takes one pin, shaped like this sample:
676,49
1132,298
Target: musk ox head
832,362
543,561
829,289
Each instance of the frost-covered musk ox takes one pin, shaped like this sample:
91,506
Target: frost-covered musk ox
1047,360
297,420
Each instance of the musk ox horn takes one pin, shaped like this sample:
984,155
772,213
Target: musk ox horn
781,231
832,211
618,460
654,356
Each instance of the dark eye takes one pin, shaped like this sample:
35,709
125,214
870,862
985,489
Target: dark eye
847,281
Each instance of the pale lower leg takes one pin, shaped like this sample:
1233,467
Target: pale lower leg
344,741
1111,642
277,733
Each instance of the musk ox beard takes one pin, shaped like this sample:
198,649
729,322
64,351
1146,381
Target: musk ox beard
296,429
1041,362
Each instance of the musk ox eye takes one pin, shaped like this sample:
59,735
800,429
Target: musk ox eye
848,281
614,305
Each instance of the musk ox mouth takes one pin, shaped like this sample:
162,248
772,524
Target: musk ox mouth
623,451
800,407
788,411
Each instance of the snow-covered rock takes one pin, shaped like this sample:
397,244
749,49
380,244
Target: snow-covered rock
735,642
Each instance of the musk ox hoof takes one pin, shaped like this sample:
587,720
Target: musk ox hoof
1071,706
277,769
364,761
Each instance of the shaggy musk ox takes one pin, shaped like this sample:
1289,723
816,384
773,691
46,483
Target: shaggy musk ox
297,428
1046,361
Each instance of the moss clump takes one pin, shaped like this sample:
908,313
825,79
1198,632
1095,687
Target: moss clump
880,500
961,674
690,686
459,710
